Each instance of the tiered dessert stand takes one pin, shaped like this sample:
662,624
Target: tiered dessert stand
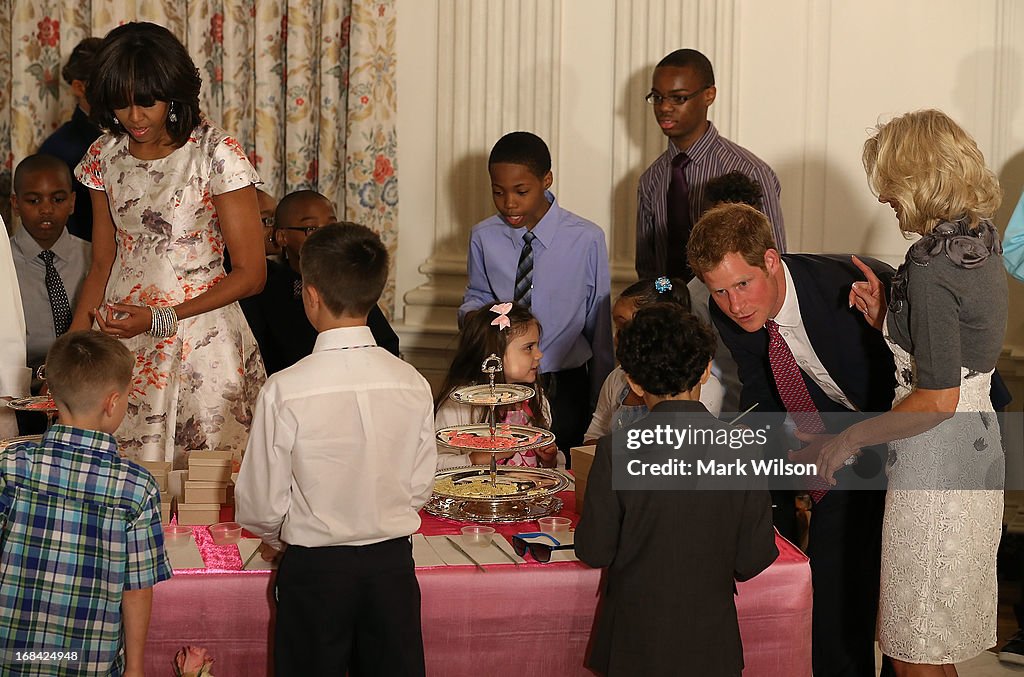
489,493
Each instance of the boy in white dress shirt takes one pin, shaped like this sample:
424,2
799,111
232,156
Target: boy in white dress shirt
340,460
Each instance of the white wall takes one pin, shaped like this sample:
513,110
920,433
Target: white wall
801,82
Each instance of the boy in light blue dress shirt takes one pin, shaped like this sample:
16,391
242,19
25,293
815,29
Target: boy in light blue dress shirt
545,257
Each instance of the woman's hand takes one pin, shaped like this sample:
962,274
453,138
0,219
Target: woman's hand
869,296
123,321
829,453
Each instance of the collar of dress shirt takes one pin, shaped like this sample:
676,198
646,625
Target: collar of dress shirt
30,248
545,228
79,438
344,337
700,148
789,313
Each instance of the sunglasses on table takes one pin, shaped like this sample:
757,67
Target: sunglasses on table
539,550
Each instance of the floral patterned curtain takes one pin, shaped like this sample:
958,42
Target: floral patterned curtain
307,86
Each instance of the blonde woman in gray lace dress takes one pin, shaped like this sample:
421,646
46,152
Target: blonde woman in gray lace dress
945,323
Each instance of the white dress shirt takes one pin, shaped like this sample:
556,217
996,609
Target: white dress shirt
14,375
791,326
341,450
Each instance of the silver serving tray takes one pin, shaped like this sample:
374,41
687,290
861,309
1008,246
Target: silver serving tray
10,441
520,483
524,437
31,404
481,396
534,495
487,511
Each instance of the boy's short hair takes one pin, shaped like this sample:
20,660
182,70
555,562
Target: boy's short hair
733,187
288,202
79,64
522,148
82,367
664,349
40,162
726,229
347,264
690,58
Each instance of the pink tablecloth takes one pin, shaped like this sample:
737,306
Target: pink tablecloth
531,620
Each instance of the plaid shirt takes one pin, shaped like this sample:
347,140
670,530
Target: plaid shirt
78,526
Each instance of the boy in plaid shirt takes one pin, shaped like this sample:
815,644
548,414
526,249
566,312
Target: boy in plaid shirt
80,539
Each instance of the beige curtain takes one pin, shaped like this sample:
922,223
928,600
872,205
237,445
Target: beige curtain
307,86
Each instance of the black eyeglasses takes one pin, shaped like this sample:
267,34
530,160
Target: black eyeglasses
656,99
306,230
540,551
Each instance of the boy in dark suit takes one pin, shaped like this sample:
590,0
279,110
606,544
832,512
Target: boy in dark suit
672,554
802,348
275,315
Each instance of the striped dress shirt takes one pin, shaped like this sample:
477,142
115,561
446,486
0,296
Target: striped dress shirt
710,157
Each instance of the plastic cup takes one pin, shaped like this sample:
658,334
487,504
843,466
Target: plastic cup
554,525
477,535
175,534
226,533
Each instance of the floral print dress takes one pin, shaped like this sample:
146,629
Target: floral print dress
196,389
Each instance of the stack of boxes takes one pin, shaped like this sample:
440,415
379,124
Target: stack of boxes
160,471
207,488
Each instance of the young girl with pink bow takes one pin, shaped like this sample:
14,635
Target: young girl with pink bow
511,332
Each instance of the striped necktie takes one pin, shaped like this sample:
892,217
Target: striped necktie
524,272
59,305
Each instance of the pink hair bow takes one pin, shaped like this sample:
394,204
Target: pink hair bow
501,321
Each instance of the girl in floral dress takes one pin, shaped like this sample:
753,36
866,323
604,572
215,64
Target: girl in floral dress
170,192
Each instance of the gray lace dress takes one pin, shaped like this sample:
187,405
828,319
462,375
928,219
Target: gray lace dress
943,511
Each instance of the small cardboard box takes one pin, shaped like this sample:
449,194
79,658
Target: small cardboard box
159,470
209,466
205,492
196,514
582,459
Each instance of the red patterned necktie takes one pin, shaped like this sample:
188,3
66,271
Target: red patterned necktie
795,396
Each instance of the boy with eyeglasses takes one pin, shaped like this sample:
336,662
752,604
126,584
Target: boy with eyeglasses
276,315
268,205
670,196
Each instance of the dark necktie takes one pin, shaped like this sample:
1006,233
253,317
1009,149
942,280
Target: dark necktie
524,272
58,295
795,396
678,222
